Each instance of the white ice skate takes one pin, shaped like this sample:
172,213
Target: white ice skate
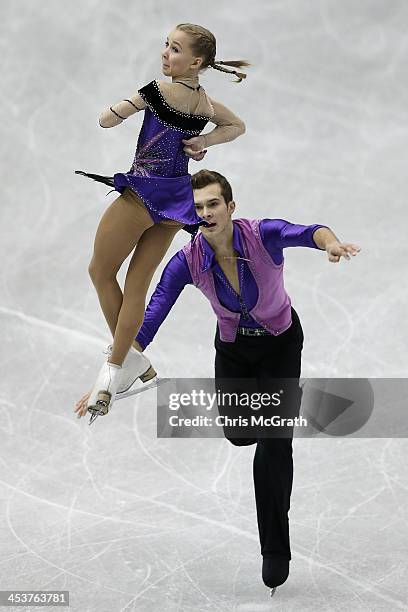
136,388
135,373
134,377
104,391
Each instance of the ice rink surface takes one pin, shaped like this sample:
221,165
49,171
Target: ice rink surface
125,521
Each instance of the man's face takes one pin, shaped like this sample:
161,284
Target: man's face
211,206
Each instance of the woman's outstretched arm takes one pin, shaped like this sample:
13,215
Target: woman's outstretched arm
114,115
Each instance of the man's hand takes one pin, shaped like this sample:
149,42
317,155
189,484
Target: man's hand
336,250
195,147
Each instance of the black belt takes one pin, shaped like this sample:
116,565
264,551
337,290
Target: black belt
257,331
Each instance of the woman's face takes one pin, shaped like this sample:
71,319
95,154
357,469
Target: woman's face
177,58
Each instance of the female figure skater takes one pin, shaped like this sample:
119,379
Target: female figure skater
238,266
156,195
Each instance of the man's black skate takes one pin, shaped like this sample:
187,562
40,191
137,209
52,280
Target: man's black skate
274,572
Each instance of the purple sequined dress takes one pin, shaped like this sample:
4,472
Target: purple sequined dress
159,172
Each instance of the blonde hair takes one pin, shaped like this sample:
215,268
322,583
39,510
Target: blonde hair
203,44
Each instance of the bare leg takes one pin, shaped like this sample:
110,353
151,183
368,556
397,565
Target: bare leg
148,254
118,232
122,226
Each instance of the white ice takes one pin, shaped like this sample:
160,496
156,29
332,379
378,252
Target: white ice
121,519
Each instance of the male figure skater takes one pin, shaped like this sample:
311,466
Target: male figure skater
238,266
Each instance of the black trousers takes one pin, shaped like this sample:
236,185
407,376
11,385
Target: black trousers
260,358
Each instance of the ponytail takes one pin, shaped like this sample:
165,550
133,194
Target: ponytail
217,65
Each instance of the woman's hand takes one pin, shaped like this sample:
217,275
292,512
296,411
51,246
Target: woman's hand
81,407
195,147
198,156
336,250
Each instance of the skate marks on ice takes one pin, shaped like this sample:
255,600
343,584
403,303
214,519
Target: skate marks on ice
343,105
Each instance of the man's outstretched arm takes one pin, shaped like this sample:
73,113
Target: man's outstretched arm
335,249
176,275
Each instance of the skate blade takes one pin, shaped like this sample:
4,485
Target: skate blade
94,415
93,418
135,390
102,411
273,591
